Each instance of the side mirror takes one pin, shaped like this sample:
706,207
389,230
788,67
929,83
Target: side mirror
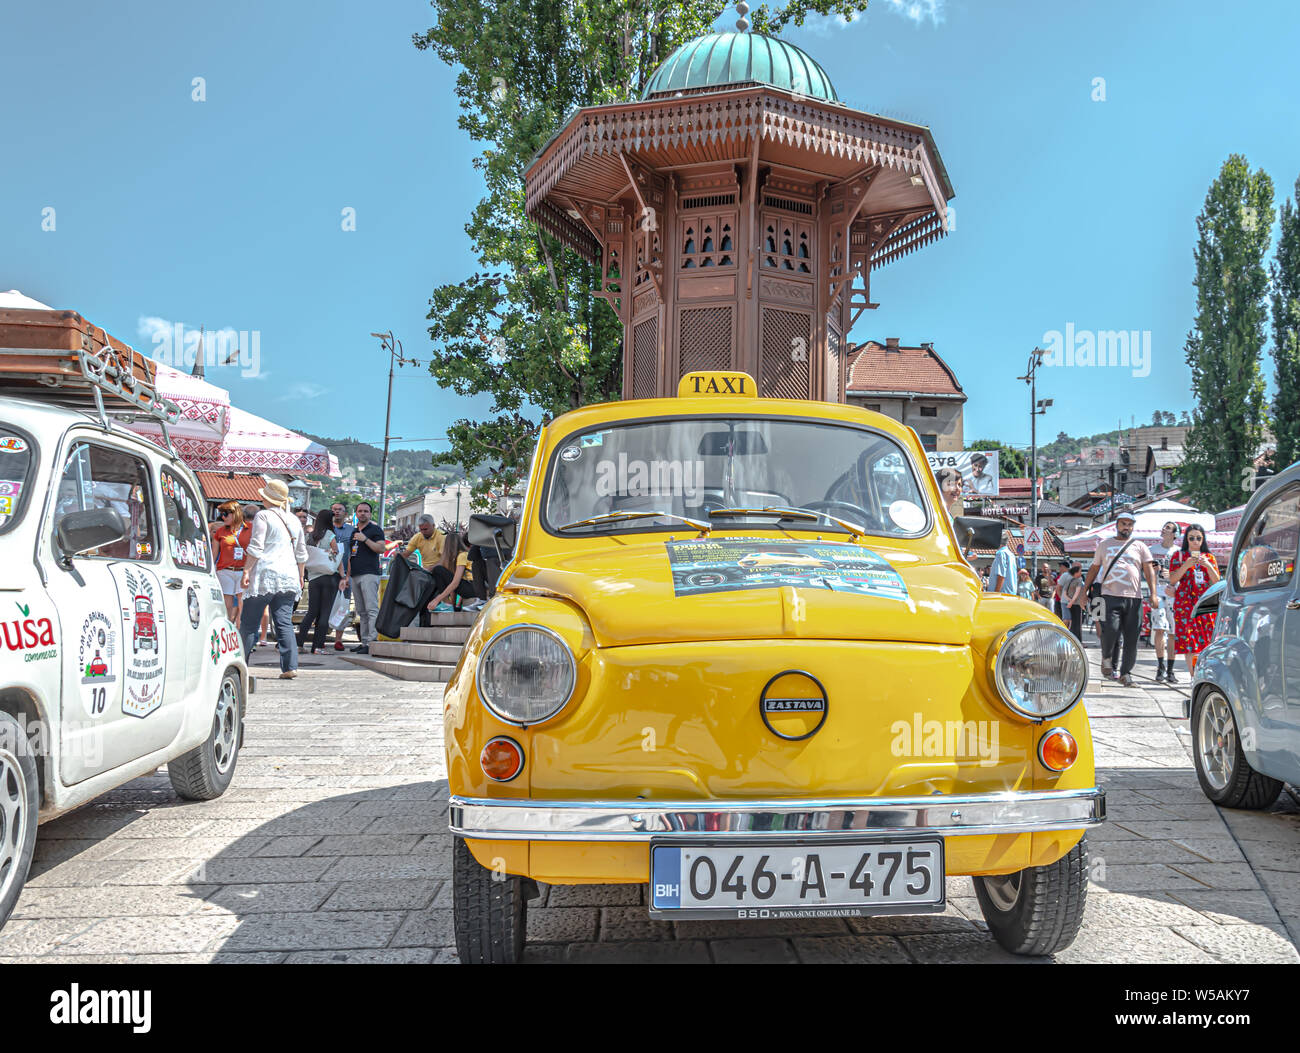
1209,601
79,532
976,531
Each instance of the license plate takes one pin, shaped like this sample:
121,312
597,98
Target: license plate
807,879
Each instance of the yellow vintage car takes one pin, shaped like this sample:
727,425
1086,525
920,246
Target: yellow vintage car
737,656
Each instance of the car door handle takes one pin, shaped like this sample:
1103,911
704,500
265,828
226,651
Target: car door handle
1293,605
174,583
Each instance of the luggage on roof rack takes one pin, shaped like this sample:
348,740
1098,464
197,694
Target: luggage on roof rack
60,357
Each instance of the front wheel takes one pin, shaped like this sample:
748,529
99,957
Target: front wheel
1225,775
206,771
490,911
1037,910
19,797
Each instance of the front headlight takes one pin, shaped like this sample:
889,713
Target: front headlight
1039,669
526,674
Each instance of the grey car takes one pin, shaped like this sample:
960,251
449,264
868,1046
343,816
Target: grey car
1245,704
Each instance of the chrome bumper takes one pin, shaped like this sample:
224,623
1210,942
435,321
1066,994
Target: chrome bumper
948,815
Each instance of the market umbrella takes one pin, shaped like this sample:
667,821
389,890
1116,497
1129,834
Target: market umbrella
253,444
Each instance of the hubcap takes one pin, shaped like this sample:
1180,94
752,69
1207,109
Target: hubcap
1003,890
1216,741
225,730
13,818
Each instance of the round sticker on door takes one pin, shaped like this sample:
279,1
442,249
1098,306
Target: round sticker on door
907,516
192,601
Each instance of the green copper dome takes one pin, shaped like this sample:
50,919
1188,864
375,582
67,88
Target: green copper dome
720,59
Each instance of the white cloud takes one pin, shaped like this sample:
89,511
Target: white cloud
304,389
152,328
917,11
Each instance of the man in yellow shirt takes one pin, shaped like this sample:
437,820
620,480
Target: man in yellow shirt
427,541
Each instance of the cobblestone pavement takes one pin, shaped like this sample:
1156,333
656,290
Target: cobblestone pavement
331,846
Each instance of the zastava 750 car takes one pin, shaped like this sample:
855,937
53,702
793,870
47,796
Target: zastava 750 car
833,740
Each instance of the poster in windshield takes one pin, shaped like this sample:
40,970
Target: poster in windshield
702,566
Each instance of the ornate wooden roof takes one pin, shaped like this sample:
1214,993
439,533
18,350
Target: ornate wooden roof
584,162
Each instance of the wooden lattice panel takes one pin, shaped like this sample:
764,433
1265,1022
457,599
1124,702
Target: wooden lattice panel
645,347
786,354
704,339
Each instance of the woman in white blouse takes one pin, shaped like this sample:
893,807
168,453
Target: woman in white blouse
273,564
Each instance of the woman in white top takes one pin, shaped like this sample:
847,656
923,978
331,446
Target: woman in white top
273,565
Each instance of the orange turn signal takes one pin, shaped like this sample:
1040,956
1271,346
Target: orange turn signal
1058,750
502,759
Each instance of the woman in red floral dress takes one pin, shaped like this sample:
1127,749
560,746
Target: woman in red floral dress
1192,571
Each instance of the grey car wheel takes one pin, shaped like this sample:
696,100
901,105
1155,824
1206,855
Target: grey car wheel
1225,775
19,804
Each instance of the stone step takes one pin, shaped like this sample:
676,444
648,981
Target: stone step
448,634
398,669
444,619
417,652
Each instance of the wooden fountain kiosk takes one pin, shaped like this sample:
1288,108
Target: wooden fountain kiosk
736,212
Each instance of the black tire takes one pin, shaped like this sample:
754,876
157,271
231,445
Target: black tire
19,808
1037,910
1238,785
206,771
490,911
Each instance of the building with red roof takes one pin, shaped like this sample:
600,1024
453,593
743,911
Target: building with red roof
911,384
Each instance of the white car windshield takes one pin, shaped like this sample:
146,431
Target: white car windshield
654,475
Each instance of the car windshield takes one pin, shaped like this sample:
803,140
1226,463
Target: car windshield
726,471
15,467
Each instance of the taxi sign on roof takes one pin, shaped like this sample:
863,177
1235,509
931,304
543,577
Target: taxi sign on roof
717,382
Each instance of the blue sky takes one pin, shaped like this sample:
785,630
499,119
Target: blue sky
228,213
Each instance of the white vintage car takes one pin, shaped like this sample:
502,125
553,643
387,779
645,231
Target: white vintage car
116,655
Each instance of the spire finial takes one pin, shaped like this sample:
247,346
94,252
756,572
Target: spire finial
742,23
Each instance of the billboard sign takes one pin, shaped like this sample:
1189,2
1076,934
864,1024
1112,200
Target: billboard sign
978,470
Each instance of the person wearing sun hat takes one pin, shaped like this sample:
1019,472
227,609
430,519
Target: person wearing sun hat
273,563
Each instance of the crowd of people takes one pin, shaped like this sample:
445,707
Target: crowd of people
1177,570
269,557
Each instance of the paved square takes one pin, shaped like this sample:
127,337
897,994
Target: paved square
331,846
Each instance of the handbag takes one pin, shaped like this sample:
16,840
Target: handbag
339,612
319,561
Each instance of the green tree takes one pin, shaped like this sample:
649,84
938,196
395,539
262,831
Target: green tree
1225,345
525,329
1286,335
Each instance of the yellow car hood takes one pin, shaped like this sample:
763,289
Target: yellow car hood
630,595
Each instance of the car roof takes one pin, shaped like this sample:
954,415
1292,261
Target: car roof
36,416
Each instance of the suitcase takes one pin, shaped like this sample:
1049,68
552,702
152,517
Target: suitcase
60,356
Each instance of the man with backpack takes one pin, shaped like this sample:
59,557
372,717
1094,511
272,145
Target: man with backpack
1120,563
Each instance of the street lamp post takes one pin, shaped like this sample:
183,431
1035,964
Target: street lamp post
1037,406
395,355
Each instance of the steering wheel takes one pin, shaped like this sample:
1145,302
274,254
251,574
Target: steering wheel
844,509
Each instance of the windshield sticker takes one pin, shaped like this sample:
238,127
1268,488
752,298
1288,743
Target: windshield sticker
596,438
704,566
907,515
570,453
10,488
12,444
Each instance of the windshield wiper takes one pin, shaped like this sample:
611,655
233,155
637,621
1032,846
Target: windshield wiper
790,513
610,517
